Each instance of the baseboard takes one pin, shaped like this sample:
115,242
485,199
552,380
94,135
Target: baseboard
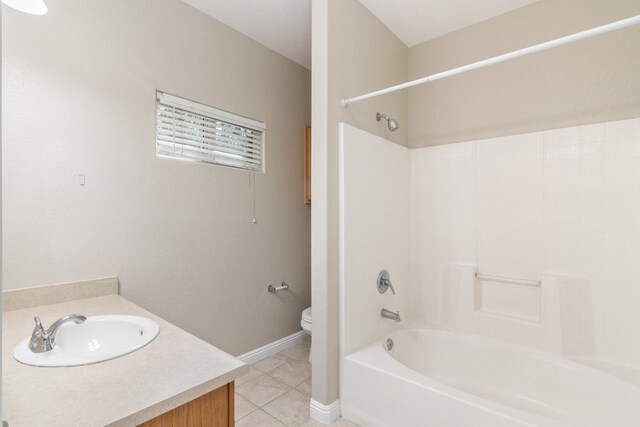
324,414
272,348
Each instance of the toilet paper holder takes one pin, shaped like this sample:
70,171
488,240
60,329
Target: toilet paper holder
274,289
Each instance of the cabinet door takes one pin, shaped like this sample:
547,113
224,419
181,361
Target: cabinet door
214,409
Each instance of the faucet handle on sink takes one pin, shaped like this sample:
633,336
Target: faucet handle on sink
38,336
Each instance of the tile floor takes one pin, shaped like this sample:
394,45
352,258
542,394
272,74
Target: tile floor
276,392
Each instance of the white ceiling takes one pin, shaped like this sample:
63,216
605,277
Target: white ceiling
416,21
285,25
281,25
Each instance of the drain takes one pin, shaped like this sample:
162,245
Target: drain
389,344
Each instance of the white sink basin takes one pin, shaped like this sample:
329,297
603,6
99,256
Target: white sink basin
97,339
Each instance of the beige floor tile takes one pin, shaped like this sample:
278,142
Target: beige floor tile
249,376
258,418
299,351
305,387
291,409
292,373
340,422
343,422
272,362
243,407
262,390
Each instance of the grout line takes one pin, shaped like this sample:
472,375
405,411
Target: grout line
275,379
276,398
260,408
251,412
265,412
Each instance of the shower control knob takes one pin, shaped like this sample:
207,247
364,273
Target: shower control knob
384,282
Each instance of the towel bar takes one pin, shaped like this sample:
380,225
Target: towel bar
514,280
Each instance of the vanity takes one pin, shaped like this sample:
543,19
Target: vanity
174,380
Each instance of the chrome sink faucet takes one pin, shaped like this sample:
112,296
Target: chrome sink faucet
388,314
44,340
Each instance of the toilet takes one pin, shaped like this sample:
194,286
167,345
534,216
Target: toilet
305,322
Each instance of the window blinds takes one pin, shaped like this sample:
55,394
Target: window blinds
197,132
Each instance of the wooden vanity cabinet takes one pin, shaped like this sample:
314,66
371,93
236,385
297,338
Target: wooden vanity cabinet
214,409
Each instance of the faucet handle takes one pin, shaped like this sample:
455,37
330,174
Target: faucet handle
388,283
384,282
39,336
38,329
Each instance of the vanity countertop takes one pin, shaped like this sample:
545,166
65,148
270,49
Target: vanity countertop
173,369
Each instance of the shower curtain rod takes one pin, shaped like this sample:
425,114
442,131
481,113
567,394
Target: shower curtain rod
501,58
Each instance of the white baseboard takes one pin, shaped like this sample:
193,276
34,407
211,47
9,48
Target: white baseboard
272,348
324,414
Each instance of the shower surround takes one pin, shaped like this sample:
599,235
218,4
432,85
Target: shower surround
561,206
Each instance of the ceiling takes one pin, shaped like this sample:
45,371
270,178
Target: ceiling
281,25
285,25
416,21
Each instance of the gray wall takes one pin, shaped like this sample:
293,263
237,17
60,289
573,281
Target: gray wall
79,98
590,81
353,53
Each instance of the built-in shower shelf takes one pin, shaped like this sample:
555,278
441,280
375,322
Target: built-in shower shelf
497,295
500,307
497,315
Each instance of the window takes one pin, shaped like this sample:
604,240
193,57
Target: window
197,132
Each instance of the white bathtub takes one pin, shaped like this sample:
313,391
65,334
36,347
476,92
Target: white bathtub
436,378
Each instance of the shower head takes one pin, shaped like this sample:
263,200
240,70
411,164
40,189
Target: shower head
391,123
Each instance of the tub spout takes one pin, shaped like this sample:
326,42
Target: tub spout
388,314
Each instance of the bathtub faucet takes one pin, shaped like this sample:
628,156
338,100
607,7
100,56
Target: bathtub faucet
388,314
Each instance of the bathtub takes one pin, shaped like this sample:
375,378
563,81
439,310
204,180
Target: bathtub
439,378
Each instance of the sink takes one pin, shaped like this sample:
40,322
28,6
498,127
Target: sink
97,339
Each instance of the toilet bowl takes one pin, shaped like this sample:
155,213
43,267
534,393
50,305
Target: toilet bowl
305,322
